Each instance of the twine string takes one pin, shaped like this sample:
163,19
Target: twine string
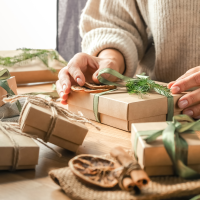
15,145
7,128
52,124
48,104
126,170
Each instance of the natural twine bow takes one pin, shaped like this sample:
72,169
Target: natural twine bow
8,129
56,109
175,145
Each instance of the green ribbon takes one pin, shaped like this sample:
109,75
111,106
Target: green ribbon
196,197
124,78
175,145
4,75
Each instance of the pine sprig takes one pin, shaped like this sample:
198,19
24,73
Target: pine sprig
142,86
32,54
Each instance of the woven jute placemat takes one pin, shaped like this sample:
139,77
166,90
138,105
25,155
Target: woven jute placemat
167,187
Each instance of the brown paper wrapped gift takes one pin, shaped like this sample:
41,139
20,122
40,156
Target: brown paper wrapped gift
153,158
32,71
27,155
36,120
13,86
119,109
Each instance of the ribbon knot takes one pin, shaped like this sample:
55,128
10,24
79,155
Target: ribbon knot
175,145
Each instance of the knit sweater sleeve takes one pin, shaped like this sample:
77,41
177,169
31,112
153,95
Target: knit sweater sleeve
114,24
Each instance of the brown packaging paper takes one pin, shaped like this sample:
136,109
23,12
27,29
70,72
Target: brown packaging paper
32,71
153,158
28,152
36,120
13,86
120,109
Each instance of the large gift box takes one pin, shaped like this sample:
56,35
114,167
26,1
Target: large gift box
36,120
28,151
120,109
153,156
8,85
32,70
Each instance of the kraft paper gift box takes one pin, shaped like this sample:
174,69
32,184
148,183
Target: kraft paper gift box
36,120
153,157
119,109
13,86
32,71
28,152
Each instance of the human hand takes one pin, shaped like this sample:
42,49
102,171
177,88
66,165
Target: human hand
83,67
189,102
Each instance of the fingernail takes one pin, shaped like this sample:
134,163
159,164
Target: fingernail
183,103
175,89
198,117
61,94
188,112
64,87
79,81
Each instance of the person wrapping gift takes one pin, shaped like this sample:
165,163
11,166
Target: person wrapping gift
132,36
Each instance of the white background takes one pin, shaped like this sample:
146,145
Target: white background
27,23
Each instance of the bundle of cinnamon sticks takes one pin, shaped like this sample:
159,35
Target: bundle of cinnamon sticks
129,173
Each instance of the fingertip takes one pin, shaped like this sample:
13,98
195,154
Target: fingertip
170,84
65,96
64,99
94,78
80,81
175,89
67,88
63,102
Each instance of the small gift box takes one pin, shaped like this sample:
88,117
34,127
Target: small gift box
17,151
32,70
167,148
120,109
8,85
50,124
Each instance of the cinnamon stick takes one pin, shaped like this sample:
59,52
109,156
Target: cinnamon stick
138,176
127,182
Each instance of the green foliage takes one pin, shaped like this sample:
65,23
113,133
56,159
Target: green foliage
29,55
142,86
53,86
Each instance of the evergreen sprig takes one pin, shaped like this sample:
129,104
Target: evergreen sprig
142,86
32,54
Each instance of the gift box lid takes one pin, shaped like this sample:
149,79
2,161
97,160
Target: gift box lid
40,118
124,106
154,153
28,150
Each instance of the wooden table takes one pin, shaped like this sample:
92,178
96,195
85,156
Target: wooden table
36,184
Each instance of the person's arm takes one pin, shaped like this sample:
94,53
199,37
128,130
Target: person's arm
114,24
114,36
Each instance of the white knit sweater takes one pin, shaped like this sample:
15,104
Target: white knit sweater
159,37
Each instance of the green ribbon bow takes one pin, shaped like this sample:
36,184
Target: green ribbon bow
175,145
4,75
170,100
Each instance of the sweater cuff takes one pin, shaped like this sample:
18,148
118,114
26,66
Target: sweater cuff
103,38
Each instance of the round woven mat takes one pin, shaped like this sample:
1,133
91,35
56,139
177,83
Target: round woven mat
159,188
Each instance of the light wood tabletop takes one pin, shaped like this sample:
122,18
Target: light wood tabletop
36,184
